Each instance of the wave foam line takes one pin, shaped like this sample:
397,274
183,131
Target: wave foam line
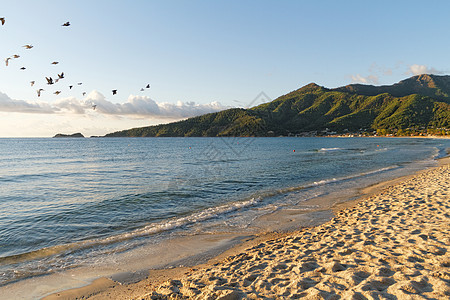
329,149
171,224
150,229
332,180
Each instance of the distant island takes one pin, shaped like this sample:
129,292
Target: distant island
419,105
75,135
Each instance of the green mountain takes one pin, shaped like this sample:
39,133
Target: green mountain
421,101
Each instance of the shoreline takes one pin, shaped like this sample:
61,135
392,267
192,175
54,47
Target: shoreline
444,137
147,281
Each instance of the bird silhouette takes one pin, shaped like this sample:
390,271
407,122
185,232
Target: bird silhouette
39,92
2,20
55,62
148,86
142,89
15,56
49,80
56,80
32,82
94,106
114,92
61,76
23,68
7,60
66,24
28,46
79,83
70,87
84,94
57,92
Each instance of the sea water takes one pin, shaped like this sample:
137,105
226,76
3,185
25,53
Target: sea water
67,203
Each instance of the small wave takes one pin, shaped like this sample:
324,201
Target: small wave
329,149
190,219
331,180
32,255
28,177
325,181
150,229
440,153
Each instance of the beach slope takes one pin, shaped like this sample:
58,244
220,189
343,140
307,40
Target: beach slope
393,245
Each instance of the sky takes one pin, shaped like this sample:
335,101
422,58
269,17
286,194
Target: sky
199,56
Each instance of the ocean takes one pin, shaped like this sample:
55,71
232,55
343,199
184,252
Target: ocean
83,203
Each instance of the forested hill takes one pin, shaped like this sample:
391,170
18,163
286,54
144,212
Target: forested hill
419,102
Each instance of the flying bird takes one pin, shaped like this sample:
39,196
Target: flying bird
84,94
16,56
56,80
79,83
7,60
49,80
148,86
32,82
57,92
114,92
70,87
66,24
61,76
2,20
23,68
28,46
55,62
94,106
142,89
39,92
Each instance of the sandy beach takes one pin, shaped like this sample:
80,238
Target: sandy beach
393,244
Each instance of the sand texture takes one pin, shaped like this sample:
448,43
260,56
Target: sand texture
393,245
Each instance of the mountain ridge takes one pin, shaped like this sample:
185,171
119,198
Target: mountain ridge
425,84
418,102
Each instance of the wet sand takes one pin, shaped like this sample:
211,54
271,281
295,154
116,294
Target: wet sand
393,244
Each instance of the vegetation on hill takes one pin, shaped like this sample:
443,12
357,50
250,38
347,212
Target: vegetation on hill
75,135
417,103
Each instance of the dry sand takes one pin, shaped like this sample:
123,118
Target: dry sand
391,245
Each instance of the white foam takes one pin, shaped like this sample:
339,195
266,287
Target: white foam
178,222
326,181
330,149
322,182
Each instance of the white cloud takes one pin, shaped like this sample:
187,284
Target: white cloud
135,106
367,79
9,105
422,69
70,105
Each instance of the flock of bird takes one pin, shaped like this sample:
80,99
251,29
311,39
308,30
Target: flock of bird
50,80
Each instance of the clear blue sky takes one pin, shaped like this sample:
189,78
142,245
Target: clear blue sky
200,51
